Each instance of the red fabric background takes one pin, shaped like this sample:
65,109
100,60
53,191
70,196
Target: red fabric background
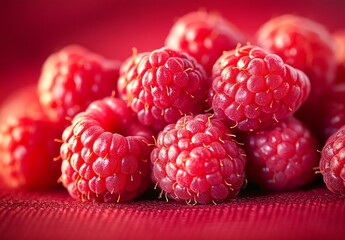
312,213
31,30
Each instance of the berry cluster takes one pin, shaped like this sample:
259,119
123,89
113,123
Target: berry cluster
198,118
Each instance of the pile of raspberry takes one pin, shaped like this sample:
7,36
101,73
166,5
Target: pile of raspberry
198,119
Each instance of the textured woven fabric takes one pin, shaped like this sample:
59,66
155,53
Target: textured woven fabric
313,213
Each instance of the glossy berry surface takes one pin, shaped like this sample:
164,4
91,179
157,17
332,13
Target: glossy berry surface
105,154
197,160
204,35
27,150
72,78
163,85
254,88
303,44
282,157
332,163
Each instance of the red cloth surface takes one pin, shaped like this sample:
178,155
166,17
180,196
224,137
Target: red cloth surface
313,213
32,30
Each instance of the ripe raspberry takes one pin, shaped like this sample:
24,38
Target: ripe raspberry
333,111
197,160
303,44
163,85
282,157
72,78
339,38
27,150
204,36
254,88
105,154
332,163
23,102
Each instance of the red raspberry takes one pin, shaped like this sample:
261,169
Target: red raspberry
163,85
204,36
23,102
339,38
254,88
105,154
27,150
333,111
332,163
303,44
282,157
74,77
197,160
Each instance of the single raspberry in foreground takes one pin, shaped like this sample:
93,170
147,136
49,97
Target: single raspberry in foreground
27,150
105,154
254,88
74,77
197,160
332,163
205,36
163,85
282,157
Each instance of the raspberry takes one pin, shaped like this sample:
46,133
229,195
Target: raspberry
254,88
27,150
333,111
197,160
23,102
303,44
339,38
204,36
105,154
332,163
163,85
281,157
72,78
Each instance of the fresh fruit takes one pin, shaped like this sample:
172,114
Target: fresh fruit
163,85
254,88
332,163
339,39
27,151
72,78
333,111
197,160
23,102
105,154
204,35
282,157
304,44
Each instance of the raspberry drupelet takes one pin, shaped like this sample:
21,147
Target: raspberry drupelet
105,154
197,160
204,35
282,157
72,78
254,88
163,85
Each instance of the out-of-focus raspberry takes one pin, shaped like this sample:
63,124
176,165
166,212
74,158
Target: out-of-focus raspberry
205,36
74,77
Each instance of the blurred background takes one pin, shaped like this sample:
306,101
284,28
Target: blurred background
31,30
